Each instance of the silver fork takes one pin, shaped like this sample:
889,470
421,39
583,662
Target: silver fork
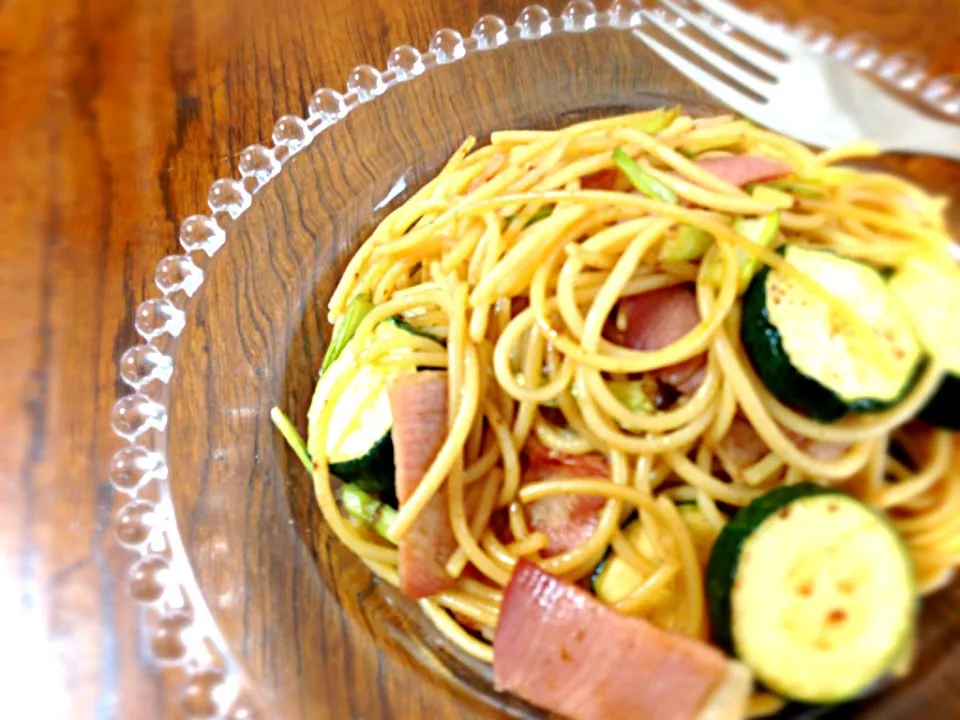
806,96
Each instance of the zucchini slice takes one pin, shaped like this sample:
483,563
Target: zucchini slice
615,578
809,356
702,532
365,509
814,591
358,443
930,295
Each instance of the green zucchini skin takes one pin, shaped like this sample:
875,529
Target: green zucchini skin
725,557
408,328
761,339
601,567
372,472
943,409
598,571
764,347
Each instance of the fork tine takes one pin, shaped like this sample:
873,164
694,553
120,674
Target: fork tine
730,69
760,60
713,85
758,30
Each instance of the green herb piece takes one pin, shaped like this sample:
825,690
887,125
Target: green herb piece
661,120
762,231
367,509
542,213
801,189
346,327
694,148
643,180
688,243
633,395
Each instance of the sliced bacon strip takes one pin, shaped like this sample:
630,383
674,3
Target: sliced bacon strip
600,180
658,319
568,520
741,447
742,170
563,650
687,376
825,451
418,404
542,461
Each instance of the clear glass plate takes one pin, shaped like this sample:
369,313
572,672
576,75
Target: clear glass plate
248,597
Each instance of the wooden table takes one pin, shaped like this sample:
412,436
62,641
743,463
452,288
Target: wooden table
115,117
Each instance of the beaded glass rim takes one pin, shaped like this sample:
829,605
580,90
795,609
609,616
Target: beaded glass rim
180,628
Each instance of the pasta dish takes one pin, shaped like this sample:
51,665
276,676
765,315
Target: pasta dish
653,413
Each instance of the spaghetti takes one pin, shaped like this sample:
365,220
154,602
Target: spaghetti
518,257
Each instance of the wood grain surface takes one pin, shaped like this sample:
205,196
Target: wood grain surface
115,117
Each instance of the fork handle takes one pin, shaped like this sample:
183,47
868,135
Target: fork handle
926,136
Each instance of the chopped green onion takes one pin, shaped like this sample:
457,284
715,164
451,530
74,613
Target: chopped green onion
367,509
633,396
800,189
762,231
642,180
694,148
290,434
689,243
658,121
346,328
364,507
542,213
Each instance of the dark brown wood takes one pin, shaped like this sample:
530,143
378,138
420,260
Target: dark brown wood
115,117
